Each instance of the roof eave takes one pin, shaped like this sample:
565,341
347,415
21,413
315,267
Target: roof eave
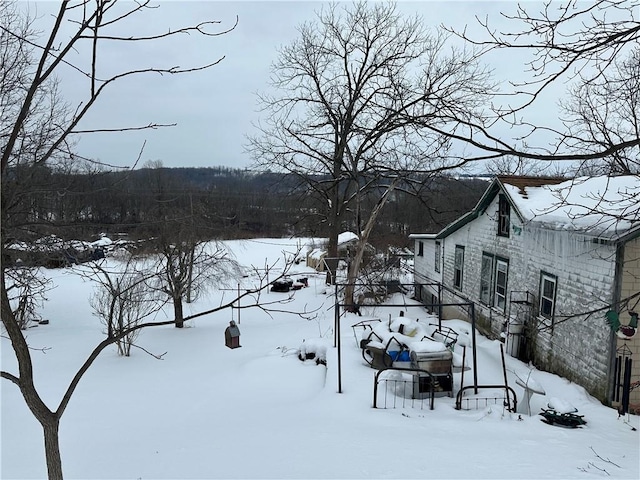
631,234
488,195
422,236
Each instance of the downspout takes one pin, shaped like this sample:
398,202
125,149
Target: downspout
615,303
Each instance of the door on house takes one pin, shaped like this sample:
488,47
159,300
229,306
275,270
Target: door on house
521,328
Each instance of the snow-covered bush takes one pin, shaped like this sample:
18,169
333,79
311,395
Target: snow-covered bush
314,349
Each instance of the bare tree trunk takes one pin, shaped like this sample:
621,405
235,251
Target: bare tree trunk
192,253
363,239
52,448
177,312
332,249
48,419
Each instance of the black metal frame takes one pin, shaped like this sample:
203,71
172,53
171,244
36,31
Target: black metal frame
416,371
338,306
507,399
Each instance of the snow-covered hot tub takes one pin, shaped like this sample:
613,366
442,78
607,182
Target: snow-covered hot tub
431,356
435,358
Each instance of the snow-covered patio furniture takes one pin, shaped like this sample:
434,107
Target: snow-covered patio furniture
282,285
405,343
362,330
562,413
386,344
375,354
392,354
569,420
446,335
437,359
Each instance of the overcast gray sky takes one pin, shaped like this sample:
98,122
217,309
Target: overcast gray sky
213,109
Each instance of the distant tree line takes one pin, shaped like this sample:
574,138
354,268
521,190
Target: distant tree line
219,202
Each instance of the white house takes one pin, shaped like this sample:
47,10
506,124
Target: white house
544,260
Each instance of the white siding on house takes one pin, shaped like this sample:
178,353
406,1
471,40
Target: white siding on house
574,345
425,264
425,267
477,237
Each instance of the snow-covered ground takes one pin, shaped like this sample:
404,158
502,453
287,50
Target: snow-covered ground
207,411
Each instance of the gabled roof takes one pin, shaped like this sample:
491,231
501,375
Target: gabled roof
524,182
598,206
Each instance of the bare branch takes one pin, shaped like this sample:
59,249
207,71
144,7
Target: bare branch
604,459
353,94
37,134
573,42
154,355
150,126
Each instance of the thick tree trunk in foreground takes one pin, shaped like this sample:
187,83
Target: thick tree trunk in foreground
48,419
52,449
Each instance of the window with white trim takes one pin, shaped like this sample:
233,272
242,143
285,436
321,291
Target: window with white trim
486,275
548,289
420,249
437,257
500,290
504,216
458,267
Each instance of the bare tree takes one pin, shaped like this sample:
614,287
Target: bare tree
187,267
511,165
27,292
50,419
603,112
30,121
122,300
577,42
351,96
38,129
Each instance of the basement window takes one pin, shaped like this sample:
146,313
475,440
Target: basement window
601,241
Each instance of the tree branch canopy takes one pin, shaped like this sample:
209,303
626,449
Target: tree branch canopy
583,44
352,95
81,31
38,129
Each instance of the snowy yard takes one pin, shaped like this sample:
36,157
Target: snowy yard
206,411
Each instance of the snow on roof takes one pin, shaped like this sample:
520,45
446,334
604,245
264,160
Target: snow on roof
102,242
346,237
594,205
316,253
400,251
